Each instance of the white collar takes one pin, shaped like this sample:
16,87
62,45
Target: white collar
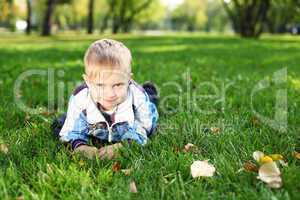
123,113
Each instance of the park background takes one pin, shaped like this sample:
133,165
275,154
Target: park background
219,66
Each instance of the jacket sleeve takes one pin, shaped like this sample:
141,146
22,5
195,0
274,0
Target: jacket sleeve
75,128
146,116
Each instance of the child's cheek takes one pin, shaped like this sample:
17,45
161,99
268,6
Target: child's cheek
96,95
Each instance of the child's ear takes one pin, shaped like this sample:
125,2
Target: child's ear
85,78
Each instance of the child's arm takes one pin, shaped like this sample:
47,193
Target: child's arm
75,128
146,117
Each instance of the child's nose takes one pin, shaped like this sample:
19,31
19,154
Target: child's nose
110,93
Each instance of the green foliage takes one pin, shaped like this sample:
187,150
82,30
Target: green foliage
217,19
38,166
151,17
190,15
282,15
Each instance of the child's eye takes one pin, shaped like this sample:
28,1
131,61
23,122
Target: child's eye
118,84
99,85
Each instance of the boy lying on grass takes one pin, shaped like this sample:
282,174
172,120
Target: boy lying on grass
109,107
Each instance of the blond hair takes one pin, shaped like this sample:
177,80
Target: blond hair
107,53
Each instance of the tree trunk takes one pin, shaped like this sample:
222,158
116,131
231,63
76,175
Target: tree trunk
47,19
127,21
29,14
90,20
248,17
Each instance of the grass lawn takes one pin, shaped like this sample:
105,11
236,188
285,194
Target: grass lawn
37,166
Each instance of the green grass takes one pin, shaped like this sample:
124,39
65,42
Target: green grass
37,166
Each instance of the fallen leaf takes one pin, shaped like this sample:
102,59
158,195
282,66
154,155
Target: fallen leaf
270,174
127,172
132,187
202,168
3,148
276,157
189,147
215,129
116,167
265,159
250,167
257,155
297,155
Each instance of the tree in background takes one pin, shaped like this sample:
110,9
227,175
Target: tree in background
46,29
124,12
8,13
152,17
282,14
217,19
29,16
90,19
47,20
247,16
190,15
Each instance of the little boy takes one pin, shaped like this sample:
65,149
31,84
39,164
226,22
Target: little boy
109,106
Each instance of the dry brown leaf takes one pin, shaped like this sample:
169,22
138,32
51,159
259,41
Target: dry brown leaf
4,148
270,174
189,147
202,168
132,187
116,167
297,155
251,167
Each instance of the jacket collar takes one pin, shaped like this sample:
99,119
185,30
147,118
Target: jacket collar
123,113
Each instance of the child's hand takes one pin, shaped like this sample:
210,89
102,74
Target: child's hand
109,151
87,151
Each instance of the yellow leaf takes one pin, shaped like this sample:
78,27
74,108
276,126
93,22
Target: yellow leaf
276,157
265,159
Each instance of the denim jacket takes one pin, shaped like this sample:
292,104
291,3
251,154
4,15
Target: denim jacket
135,118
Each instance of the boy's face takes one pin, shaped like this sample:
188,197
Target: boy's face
109,87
